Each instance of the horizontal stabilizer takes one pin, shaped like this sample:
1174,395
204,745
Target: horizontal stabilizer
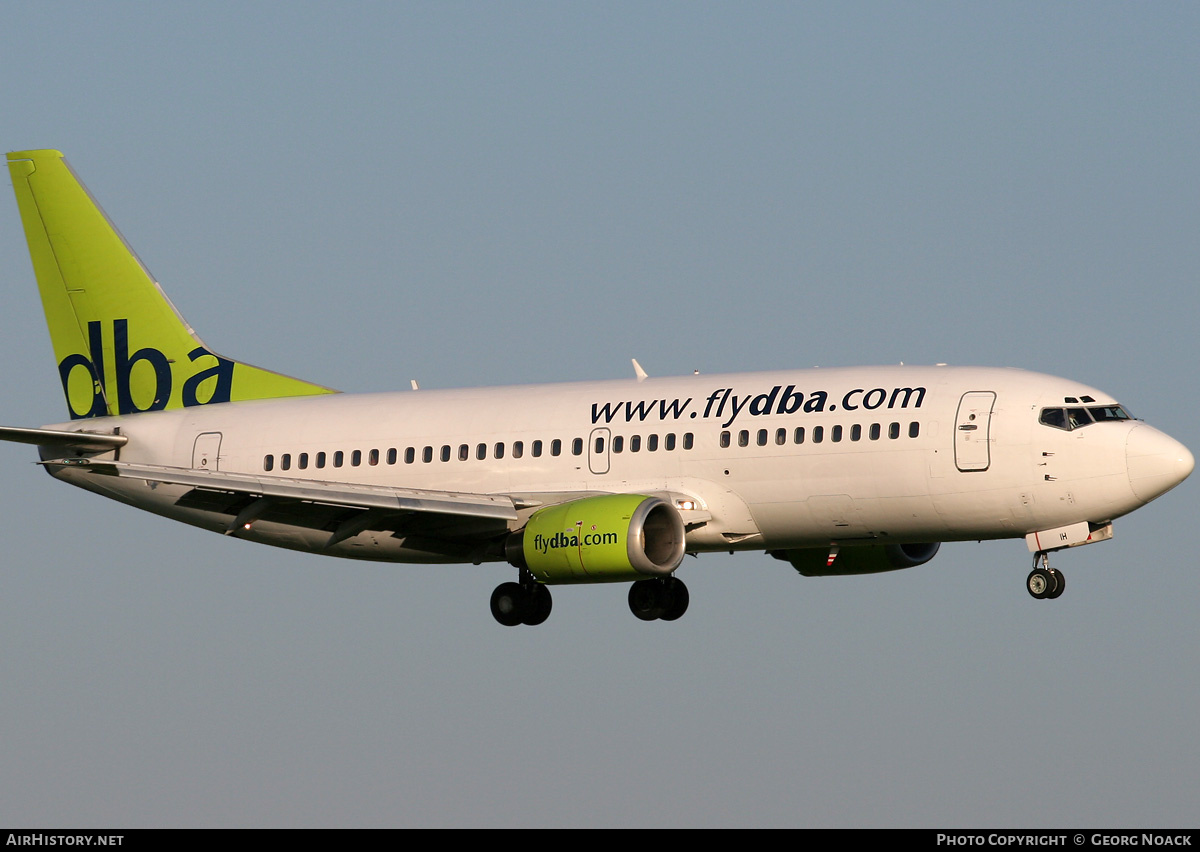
83,441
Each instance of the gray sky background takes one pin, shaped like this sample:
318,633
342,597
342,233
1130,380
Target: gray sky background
360,194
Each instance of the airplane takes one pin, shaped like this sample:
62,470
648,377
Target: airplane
837,471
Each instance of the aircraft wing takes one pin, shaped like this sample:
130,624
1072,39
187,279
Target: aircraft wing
442,523
314,491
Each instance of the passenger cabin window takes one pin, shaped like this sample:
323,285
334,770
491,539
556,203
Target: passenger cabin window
688,440
268,461
338,458
537,449
577,447
556,447
618,443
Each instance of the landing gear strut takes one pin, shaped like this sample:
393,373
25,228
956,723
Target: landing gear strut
1044,581
521,603
665,599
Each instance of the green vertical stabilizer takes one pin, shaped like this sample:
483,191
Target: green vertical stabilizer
121,346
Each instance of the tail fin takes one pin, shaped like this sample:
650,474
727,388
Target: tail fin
121,346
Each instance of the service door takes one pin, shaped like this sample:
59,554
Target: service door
598,451
206,451
972,432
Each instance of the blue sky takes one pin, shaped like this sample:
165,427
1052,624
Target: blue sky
473,194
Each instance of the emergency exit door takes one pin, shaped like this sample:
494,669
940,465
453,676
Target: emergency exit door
206,451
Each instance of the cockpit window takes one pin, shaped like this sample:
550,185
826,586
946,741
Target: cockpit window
1054,417
1109,412
1077,418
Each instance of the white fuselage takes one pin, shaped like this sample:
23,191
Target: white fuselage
775,460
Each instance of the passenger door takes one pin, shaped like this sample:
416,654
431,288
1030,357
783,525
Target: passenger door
972,431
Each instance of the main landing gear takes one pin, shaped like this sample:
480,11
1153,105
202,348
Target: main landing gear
1044,581
521,603
529,602
654,599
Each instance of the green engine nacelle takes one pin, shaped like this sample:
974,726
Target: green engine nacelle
861,559
608,538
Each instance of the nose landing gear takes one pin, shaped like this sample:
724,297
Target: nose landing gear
1044,581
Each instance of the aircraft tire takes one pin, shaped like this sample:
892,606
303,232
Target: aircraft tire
677,598
645,600
510,603
540,604
1039,583
1060,583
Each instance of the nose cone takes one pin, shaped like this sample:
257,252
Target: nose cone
1156,462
